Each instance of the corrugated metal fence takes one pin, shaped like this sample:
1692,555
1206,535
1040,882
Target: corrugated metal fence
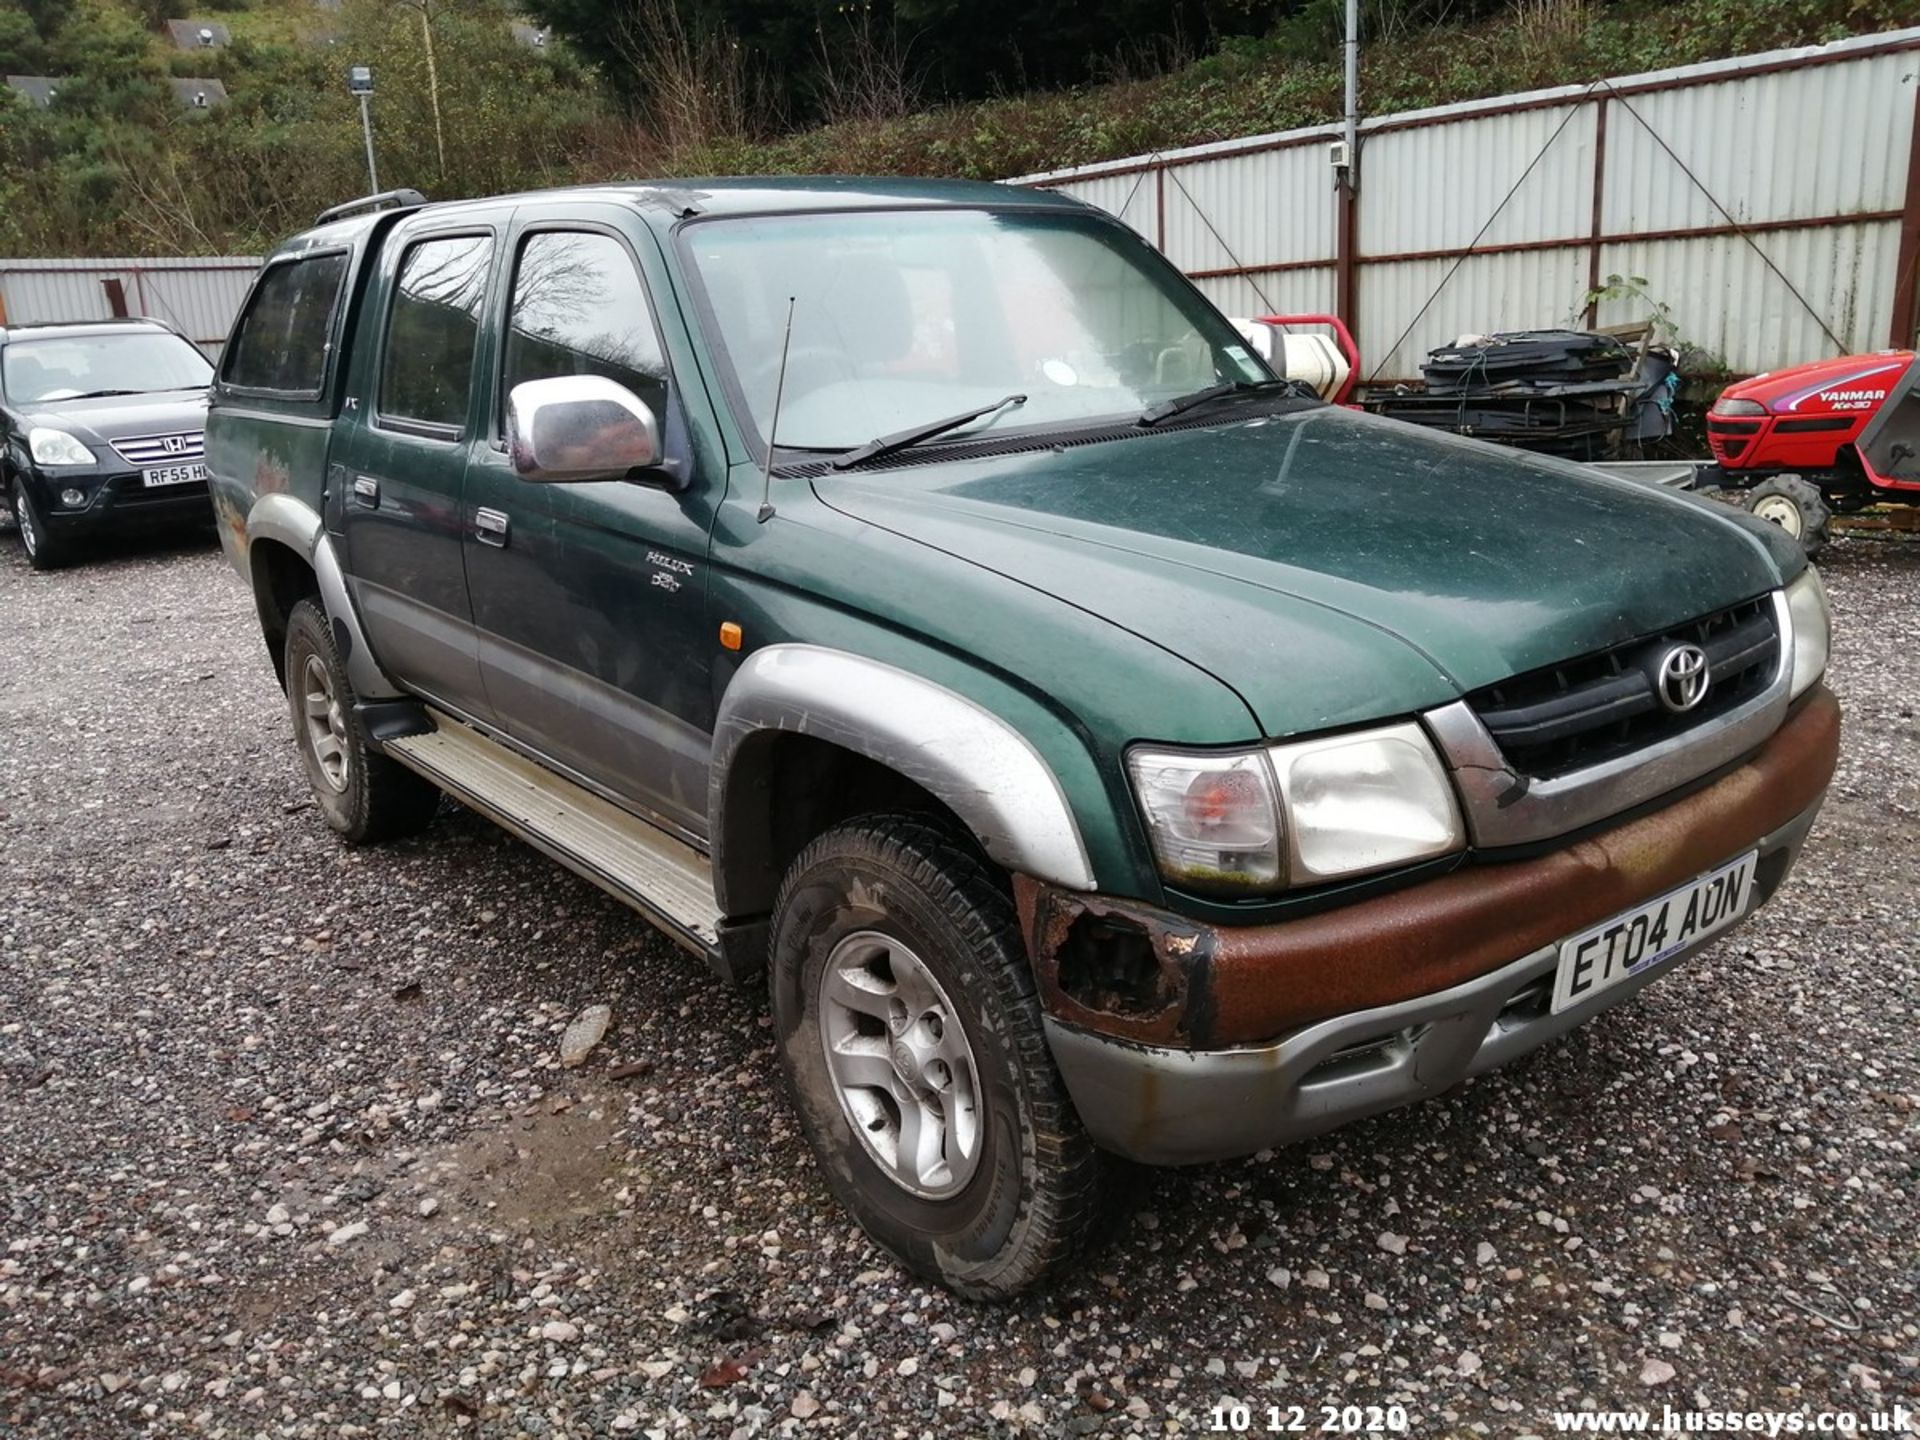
199,297
1772,204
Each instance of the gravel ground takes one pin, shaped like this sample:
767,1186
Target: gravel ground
286,1148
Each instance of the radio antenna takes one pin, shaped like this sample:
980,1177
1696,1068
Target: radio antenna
773,424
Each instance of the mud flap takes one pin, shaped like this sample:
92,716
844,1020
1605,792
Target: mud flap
1890,444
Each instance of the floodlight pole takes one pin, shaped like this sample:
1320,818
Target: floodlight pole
366,129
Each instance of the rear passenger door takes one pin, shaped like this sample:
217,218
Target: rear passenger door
589,598
400,459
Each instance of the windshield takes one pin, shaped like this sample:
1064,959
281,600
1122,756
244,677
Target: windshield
62,367
903,317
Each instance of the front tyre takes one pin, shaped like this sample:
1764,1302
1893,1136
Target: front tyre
45,550
1796,506
363,794
913,1049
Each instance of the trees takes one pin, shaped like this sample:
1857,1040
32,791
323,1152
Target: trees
953,49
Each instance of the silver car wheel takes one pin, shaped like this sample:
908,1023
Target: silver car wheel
901,1065
325,724
23,517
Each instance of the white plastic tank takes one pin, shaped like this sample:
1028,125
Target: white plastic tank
1301,355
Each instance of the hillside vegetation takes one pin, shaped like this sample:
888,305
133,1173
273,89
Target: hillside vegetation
117,164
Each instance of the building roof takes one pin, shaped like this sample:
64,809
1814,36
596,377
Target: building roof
198,93
199,34
40,89
534,35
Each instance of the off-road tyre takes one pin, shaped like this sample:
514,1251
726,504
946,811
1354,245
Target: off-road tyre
45,550
1796,506
1037,1191
370,797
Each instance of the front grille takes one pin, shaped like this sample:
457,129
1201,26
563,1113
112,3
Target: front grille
181,449
1728,439
1600,707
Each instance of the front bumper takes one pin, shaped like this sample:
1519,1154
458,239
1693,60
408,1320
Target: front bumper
1398,998
119,504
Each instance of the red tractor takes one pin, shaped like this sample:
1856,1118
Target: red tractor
1832,436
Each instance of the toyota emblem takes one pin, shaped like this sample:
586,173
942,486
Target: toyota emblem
1683,678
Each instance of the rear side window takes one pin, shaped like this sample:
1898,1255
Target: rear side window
579,308
427,376
281,343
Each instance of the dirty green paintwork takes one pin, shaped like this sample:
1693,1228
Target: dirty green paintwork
1332,567
1264,575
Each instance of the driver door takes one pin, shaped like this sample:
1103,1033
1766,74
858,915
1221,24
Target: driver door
589,598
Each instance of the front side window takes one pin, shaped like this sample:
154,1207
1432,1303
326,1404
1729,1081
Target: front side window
282,339
579,308
71,367
433,325
902,317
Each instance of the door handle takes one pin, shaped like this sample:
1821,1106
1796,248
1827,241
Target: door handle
366,491
490,526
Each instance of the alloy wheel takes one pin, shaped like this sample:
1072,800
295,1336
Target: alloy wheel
325,727
901,1064
23,517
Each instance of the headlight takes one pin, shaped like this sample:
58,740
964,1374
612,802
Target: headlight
56,447
1812,628
1724,406
1244,822
1365,801
1212,818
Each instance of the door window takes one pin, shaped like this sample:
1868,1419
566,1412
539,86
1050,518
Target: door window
426,379
579,308
282,339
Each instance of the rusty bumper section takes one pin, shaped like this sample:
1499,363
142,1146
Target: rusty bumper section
1129,971
1167,1106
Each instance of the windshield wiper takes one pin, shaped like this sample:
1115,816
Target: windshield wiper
102,394
1180,404
902,439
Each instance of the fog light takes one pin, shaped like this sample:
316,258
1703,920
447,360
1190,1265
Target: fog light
73,497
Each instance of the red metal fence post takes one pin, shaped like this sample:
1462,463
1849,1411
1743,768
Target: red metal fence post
1906,278
1345,270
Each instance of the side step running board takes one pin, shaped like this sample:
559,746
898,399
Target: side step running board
666,879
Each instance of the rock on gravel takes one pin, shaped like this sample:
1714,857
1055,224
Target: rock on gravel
588,1029
224,1038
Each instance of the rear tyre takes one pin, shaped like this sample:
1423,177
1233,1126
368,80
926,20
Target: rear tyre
363,794
45,550
913,1050
1796,506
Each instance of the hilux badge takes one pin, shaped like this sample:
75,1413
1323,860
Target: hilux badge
1683,678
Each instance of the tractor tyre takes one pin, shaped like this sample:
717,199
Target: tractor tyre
1796,506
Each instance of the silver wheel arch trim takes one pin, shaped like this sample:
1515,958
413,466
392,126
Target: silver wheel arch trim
970,759
295,524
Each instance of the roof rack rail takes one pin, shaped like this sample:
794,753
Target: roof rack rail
398,199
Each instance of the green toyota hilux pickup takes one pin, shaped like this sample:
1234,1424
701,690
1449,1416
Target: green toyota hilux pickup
918,594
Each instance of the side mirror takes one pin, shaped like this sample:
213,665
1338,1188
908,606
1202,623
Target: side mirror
579,427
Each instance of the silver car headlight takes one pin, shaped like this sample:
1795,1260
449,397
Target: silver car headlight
49,446
1250,821
1365,801
1812,629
